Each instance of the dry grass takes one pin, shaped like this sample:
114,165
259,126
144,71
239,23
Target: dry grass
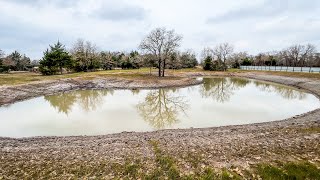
278,73
143,73
27,77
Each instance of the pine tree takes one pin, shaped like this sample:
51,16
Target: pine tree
55,59
208,65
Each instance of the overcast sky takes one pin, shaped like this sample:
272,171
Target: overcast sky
29,26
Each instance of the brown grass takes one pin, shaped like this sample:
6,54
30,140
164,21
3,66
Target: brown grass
143,74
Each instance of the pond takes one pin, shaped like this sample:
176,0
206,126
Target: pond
216,102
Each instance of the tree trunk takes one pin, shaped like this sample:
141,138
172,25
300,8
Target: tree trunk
61,70
159,64
164,67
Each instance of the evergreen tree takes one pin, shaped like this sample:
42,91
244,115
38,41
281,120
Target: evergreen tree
15,57
55,59
208,65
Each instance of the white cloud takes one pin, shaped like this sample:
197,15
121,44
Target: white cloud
263,25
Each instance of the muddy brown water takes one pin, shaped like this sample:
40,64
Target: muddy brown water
216,102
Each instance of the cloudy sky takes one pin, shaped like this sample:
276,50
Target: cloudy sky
29,26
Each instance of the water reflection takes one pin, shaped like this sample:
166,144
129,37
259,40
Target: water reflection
98,112
162,107
283,91
221,89
88,100
62,102
135,91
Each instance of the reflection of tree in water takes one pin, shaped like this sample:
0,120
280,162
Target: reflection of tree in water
221,89
283,91
62,102
88,100
162,107
135,91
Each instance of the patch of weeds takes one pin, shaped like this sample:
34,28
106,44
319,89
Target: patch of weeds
291,170
311,130
247,174
193,159
269,172
167,166
207,174
302,170
228,175
130,169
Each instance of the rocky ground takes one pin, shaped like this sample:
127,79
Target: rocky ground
234,148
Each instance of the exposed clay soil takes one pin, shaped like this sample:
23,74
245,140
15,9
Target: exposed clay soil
295,138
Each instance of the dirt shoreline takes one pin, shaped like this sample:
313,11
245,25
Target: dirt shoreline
12,94
292,139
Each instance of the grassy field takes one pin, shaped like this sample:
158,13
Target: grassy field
143,73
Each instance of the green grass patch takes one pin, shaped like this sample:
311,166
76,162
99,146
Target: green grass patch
286,171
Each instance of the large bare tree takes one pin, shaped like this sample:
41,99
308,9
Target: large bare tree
308,52
161,43
222,52
294,53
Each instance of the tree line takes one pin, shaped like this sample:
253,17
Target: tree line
222,56
158,49
15,61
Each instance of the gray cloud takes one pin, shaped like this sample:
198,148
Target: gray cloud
266,9
40,3
25,38
120,13
264,25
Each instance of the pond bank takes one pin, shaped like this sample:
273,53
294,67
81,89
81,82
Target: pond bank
11,94
236,148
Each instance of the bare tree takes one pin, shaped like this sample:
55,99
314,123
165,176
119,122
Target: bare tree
299,55
222,52
316,60
307,55
106,60
161,43
85,55
294,53
206,52
236,58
